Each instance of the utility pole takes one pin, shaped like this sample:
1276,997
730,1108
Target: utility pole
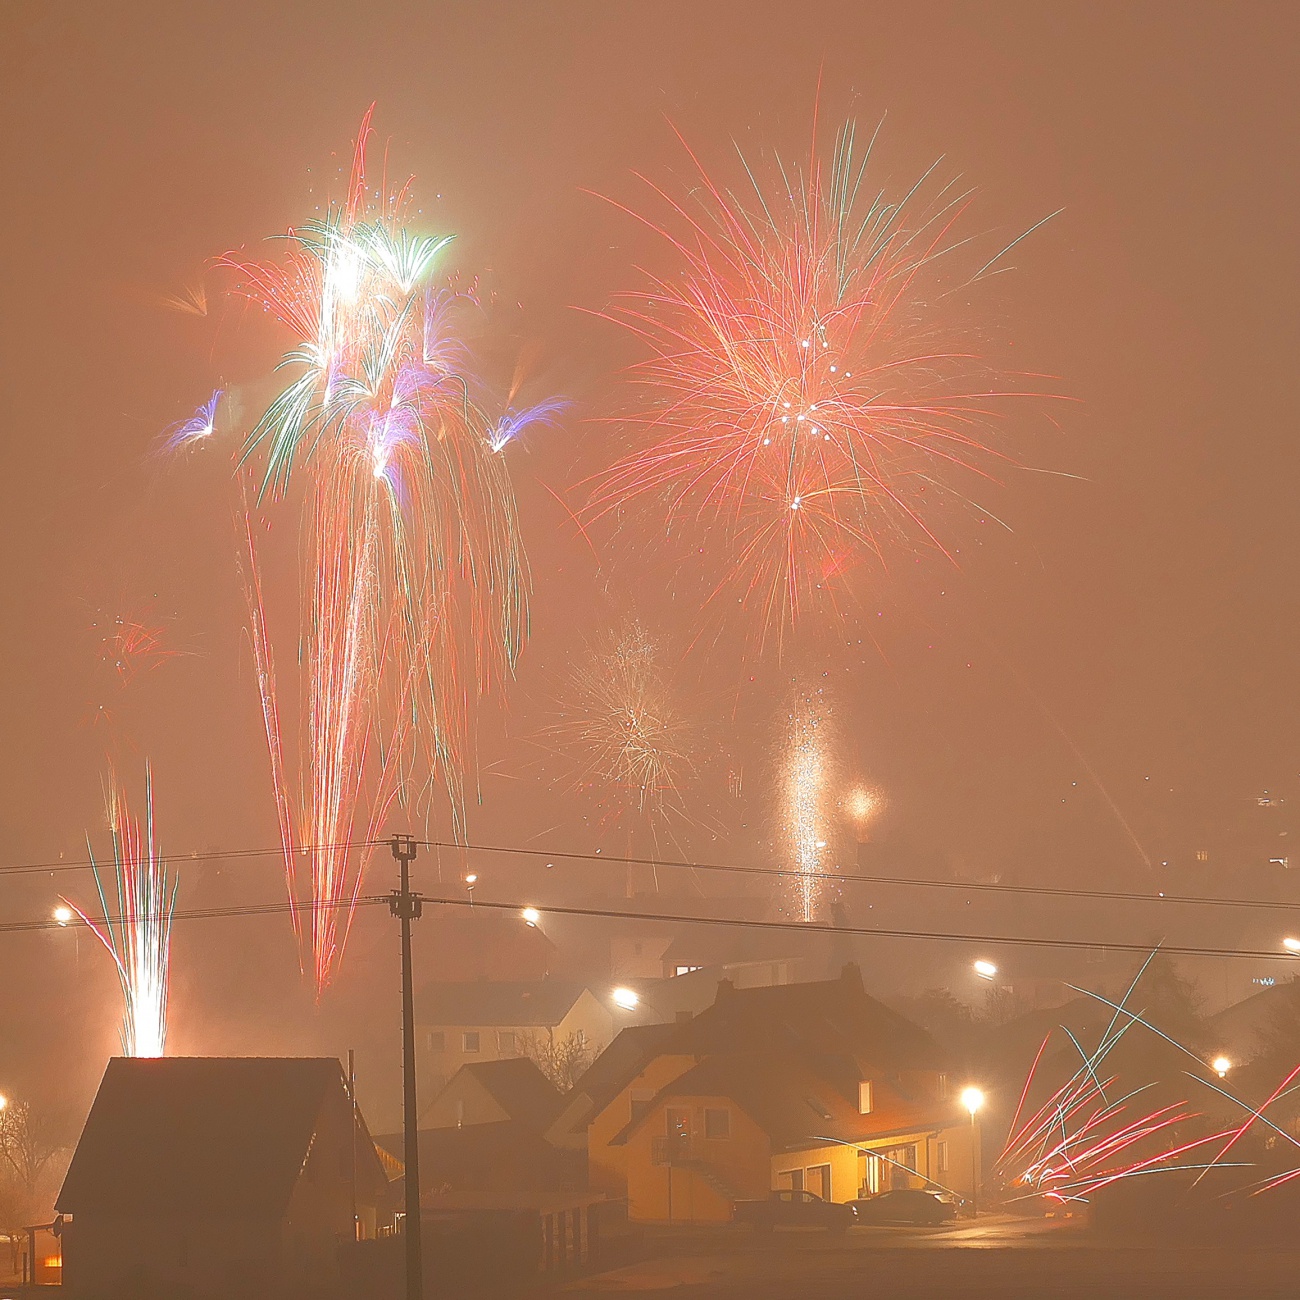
407,907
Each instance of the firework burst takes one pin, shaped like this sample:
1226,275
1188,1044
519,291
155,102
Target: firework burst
137,919
807,408
414,597
626,733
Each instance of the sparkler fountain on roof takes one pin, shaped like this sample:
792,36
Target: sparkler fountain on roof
137,920
415,585
810,401
805,777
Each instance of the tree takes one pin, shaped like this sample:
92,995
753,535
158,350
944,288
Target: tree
563,1061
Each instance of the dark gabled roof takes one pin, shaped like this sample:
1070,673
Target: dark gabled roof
498,1161
827,1018
540,1003
197,1136
518,1087
630,1052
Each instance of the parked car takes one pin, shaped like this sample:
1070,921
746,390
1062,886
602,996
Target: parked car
795,1210
922,1209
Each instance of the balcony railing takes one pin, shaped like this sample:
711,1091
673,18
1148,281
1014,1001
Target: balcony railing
670,1149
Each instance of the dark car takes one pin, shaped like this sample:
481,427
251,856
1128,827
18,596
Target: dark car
922,1209
794,1210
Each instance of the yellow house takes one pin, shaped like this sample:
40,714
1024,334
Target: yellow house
814,1086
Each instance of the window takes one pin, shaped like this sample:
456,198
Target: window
717,1122
943,1087
437,1041
818,1181
580,1038
941,1156
469,1041
792,1179
686,970
506,1042
866,1101
871,1176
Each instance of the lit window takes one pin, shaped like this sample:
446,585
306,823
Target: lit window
866,1100
1202,855
506,1042
717,1123
686,970
943,1087
437,1041
941,1156
469,1041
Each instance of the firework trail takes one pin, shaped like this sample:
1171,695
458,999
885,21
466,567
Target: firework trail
805,409
415,584
137,920
626,733
1090,1132
198,427
805,776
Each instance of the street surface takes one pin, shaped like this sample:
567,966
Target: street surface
995,1257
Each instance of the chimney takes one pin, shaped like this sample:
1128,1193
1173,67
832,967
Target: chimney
852,975
726,989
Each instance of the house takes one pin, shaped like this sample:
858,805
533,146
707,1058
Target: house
816,1086
233,1175
489,1092
486,1020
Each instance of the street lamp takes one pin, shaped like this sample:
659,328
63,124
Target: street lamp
628,999
1221,1065
63,914
531,916
4,1102
1291,945
973,1099
985,969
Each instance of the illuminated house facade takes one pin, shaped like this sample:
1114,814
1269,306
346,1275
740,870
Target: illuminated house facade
463,1022
814,1086
242,1176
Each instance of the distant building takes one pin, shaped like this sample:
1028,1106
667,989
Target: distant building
491,1092
459,1023
238,1176
815,1086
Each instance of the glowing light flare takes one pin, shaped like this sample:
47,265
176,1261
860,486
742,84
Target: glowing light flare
972,1099
985,969
628,999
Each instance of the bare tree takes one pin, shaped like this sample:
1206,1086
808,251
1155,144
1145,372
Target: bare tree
563,1061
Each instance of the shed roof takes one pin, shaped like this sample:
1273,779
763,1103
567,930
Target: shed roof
518,1087
197,1136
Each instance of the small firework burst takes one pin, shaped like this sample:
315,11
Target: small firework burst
805,777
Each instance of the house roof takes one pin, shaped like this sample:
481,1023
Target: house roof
539,1003
197,1135
518,1087
498,1162
821,1019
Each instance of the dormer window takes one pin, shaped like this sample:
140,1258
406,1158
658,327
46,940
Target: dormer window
818,1107
866,1097
943,1087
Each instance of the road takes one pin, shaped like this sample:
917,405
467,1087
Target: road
994,1257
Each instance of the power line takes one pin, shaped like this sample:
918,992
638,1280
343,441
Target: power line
677,918
211,855
1110,895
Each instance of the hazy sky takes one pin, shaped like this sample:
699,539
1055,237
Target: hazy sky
1147,604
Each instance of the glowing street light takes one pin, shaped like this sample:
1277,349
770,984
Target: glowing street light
63,914
4,1101
973,1099
1221,1065
531,916
985,969
1291,945
628,999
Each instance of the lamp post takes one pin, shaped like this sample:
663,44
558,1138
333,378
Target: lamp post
973,1099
